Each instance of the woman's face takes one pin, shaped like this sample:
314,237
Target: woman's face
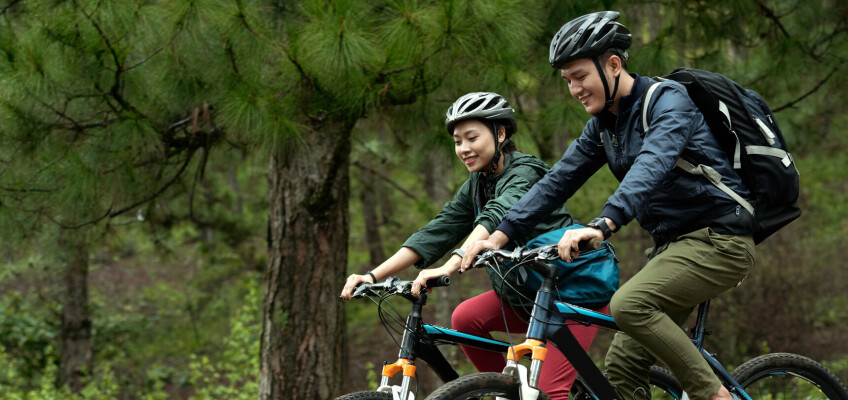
585,84
475,145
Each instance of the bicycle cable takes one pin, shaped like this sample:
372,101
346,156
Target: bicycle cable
517,291
383,312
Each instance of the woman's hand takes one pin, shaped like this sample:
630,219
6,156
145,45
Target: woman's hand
569,246
497,240
427,274
352,282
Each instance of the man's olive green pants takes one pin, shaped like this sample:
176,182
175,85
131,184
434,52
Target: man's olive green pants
651,306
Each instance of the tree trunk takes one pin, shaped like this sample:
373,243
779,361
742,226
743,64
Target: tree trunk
437,172
76,321
368,195
303,319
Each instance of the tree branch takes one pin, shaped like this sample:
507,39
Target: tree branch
770,14
8,6
810,92
111,214
386,178
8,189
149,56
280,47
119,69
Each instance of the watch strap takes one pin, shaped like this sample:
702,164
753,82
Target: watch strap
458,252
601,224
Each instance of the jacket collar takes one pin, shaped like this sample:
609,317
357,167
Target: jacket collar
625,103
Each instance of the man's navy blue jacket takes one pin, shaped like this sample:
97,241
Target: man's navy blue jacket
666,201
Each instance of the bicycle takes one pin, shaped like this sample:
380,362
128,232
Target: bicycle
777,376
420,342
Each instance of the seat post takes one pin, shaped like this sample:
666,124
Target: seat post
700,329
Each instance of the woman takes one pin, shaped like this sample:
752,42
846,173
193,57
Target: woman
481,125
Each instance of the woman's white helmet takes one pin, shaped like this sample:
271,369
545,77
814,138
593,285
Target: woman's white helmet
484,106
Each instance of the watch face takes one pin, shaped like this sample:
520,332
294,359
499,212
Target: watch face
601,224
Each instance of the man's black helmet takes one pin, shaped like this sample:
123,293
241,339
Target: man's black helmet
481,105
587,37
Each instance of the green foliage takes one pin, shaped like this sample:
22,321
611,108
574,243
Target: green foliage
104,388
26,334
165,111
233,374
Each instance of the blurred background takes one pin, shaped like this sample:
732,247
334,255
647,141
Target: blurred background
185,185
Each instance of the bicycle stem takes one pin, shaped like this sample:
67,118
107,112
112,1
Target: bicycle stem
413,324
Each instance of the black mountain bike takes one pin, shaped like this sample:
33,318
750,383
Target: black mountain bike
420,343
778,376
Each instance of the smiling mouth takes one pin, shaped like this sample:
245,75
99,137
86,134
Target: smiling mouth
469,160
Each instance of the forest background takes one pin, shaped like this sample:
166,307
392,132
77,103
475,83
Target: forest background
185,185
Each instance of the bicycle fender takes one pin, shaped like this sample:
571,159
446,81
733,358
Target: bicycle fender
527,392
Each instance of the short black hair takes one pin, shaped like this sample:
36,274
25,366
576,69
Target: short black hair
622,54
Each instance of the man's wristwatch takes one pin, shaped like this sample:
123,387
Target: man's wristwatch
600,223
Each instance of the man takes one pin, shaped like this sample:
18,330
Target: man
702,237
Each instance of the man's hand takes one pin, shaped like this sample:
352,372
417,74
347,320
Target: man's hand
495,241
569,246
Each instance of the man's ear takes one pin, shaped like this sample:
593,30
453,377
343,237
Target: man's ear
614,64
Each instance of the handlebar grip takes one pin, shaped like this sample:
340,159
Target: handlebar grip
360,290
438,282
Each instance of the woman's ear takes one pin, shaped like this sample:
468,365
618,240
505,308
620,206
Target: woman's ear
501,134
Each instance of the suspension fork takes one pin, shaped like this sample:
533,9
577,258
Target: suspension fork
537,351
536,333
389,370
406,355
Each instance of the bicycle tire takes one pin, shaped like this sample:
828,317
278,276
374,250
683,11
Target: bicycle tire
481,386
366,396
663,386
788,376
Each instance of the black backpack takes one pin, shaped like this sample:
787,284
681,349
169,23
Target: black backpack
745,128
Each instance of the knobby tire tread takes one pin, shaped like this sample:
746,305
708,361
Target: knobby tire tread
368,395
761,367
481,384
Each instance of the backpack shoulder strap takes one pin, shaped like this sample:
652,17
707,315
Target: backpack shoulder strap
715,178
645,103
703,170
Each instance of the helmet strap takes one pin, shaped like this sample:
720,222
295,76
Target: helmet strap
610,98
497,155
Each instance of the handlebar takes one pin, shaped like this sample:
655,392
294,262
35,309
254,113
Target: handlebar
395,285
519,255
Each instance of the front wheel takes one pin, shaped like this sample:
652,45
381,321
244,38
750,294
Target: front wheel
481,386
787,376
366,396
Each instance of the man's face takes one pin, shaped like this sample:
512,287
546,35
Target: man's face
585,84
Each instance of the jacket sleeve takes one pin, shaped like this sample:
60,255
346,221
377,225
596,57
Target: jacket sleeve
670,118
441,234
581,160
